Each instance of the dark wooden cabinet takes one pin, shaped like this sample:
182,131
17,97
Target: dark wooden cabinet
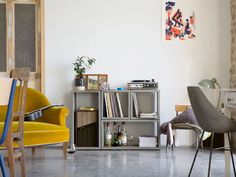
87,136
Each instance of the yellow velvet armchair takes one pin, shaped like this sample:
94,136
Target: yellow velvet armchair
49,129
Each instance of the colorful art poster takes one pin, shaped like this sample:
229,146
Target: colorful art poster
178,20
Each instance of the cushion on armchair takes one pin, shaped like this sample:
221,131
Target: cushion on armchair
37,133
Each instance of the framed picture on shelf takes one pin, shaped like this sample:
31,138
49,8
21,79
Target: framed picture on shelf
92,82
96,81
102,80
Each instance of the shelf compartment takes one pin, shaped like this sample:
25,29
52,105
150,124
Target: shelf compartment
86,98
115,104
144,101
86,123
133,130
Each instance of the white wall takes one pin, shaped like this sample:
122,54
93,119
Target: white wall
125,38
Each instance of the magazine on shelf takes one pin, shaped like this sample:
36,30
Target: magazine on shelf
135,104
106,105
116,105
119,105
112,104
109,105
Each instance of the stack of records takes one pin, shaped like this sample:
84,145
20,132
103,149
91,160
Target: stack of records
148,115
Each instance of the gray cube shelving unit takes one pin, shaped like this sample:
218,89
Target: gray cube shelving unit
148,101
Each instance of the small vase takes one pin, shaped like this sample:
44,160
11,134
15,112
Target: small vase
79,82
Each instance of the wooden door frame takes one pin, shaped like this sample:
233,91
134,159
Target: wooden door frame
42,43
40,39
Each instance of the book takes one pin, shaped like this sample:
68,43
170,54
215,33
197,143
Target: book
116,106
135,105
109,105
106,105
119,105
113,104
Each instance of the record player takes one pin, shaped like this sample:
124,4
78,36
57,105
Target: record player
142,84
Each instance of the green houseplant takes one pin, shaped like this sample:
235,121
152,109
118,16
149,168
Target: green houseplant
81,65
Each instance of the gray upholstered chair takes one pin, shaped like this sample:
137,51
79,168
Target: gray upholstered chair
210,120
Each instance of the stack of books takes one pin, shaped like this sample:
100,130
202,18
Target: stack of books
147,141
148,115
113,105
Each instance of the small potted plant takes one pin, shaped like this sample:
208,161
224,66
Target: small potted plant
81,65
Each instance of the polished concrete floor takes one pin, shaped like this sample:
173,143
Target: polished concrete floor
49,162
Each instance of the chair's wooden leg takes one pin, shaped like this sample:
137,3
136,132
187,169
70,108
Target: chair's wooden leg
33,149
10,154
65,146
22,158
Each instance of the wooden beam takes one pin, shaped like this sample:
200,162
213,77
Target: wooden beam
25,1
10,28
41,14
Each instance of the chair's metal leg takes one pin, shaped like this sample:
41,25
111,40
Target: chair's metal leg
231,153
166,143
172,146
195,155
197,139
3,168
209,166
